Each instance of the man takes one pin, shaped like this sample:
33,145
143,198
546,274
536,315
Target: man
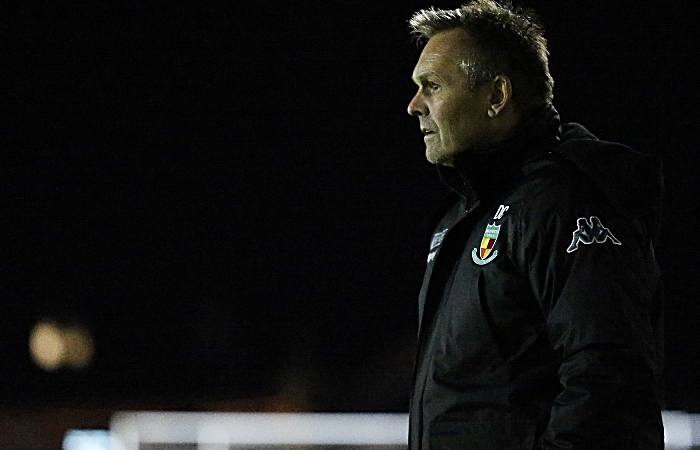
541,306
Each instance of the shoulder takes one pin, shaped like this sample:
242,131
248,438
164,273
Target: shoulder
562,198
558,188
601,174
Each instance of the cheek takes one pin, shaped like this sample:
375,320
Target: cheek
465,126
450,122
441,116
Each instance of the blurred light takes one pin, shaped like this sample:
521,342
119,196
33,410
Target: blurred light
47,346
135,429
52,346
79,347
90,440
679,429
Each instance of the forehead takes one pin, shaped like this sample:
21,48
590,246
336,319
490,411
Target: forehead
443,53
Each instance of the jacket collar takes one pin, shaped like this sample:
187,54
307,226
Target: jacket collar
480,173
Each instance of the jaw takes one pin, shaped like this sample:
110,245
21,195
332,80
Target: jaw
436,154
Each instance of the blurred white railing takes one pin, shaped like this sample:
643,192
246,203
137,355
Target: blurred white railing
222,431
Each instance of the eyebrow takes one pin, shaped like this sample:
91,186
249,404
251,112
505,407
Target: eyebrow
423,75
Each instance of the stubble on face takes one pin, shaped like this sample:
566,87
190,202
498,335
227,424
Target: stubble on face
446,108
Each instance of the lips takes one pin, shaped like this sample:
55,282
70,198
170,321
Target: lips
426,131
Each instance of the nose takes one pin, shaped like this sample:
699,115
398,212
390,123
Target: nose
417,106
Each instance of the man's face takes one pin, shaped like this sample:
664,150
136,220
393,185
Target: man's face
452,118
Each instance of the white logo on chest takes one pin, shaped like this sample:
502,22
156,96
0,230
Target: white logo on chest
435,243
501,210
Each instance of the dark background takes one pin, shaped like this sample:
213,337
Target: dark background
230,197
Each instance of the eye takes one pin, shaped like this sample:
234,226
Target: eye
433,86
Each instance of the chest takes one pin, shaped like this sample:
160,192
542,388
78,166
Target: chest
476,289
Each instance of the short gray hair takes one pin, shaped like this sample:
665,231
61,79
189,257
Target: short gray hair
508,40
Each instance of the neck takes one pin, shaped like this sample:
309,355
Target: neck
487,169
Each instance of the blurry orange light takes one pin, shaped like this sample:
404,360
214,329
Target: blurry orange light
52,346
47,346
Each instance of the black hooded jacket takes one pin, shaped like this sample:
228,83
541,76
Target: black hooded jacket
541,308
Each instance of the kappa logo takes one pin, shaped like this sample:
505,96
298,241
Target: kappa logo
589,232
485,254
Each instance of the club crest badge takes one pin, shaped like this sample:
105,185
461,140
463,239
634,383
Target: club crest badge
486,253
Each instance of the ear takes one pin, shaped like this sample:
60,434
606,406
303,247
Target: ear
501,95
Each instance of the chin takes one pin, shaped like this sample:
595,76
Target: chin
438,158
432,156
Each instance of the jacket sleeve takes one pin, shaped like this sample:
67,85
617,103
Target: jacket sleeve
595,276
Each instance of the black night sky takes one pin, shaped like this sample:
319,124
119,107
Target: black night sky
230,197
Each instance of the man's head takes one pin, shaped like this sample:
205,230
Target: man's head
483,67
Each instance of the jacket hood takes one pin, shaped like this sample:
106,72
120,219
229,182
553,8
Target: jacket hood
631,181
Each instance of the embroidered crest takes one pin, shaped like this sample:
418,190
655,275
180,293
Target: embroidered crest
589,232
486,253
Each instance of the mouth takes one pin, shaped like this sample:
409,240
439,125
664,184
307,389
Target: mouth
427,132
